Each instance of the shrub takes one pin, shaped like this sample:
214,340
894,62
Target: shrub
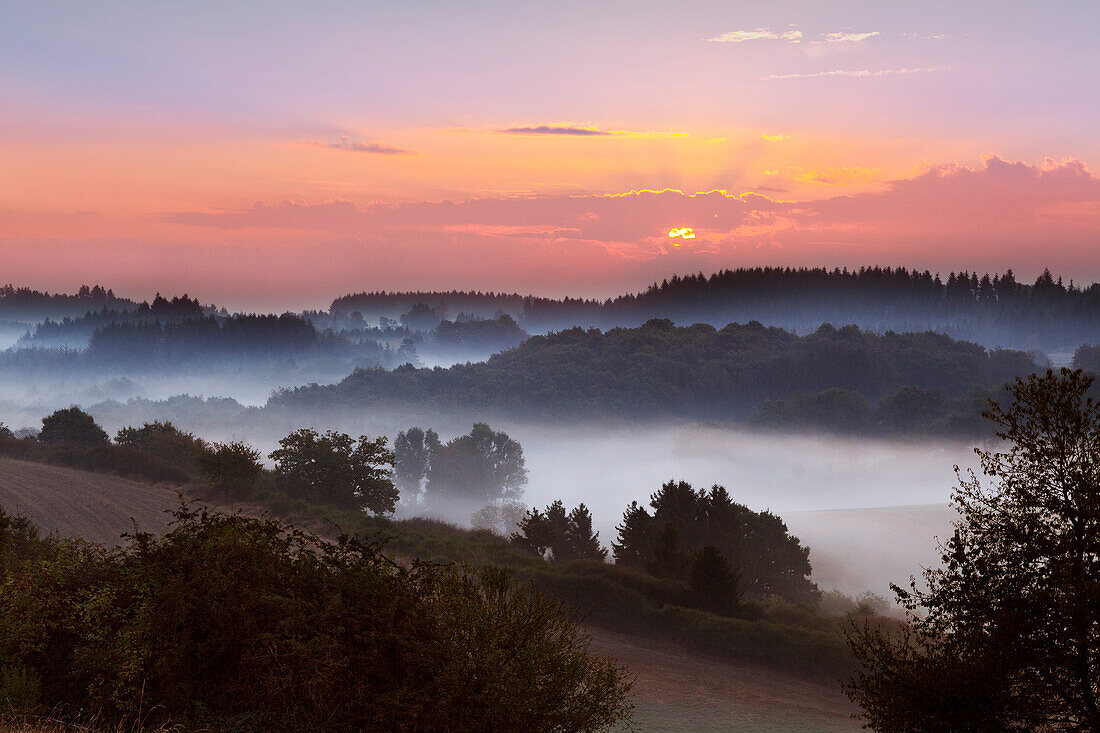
72,425
235,623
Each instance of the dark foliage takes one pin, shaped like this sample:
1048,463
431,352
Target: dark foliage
231,468
334,468
477,336
1005,635
234,623
72,425
119,460
24,304
768,560
713,582
558,535
990,309
167,442
663,370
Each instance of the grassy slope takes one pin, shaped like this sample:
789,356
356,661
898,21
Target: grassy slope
677,689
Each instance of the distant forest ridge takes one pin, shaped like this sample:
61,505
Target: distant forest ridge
995,310
660,370
19,304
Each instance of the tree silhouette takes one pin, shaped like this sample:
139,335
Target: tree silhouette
560,536
72,425
336,469
1005,634
477,468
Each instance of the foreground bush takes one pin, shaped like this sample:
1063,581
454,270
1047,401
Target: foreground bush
230,622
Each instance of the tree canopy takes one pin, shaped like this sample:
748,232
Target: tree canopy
660,369
1005,634
72,425
334,468
228,622
686,521
559,535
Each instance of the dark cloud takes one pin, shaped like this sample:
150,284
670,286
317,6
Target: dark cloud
362,146
557,130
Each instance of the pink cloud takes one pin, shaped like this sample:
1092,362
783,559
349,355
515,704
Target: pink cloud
992,216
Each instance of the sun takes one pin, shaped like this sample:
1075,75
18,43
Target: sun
681,233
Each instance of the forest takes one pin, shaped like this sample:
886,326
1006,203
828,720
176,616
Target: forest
661,370
991,309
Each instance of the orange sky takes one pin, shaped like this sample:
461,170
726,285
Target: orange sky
350,147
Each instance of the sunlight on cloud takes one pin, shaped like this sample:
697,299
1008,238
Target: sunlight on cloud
776,138
760,34
848,37
855,74
583,131
348,145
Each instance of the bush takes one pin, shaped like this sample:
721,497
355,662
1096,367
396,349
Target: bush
114,459
72,425
230,622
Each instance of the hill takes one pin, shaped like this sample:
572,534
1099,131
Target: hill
992,309
677,689
76,503
695,372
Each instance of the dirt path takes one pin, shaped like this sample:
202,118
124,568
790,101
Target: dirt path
79,503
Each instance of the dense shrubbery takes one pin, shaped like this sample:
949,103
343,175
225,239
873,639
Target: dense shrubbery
164,440
663,370
235,623
119,460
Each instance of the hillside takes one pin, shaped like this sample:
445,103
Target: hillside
698,372
78,503
676,689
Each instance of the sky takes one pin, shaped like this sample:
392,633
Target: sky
269,155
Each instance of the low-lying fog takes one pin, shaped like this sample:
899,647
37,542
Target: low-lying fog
869,510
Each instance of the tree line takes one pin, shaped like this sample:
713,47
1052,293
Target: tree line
993,309
663,370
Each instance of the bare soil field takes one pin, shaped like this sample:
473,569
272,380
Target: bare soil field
681,690
78,503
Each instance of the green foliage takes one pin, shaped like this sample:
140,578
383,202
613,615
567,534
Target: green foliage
231,468
559,536
477,468
19,691
333,468
1005,634
773,631
119,460
685,521
698,372
834,410
167,442
413,450
235,623
713,582
72,425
